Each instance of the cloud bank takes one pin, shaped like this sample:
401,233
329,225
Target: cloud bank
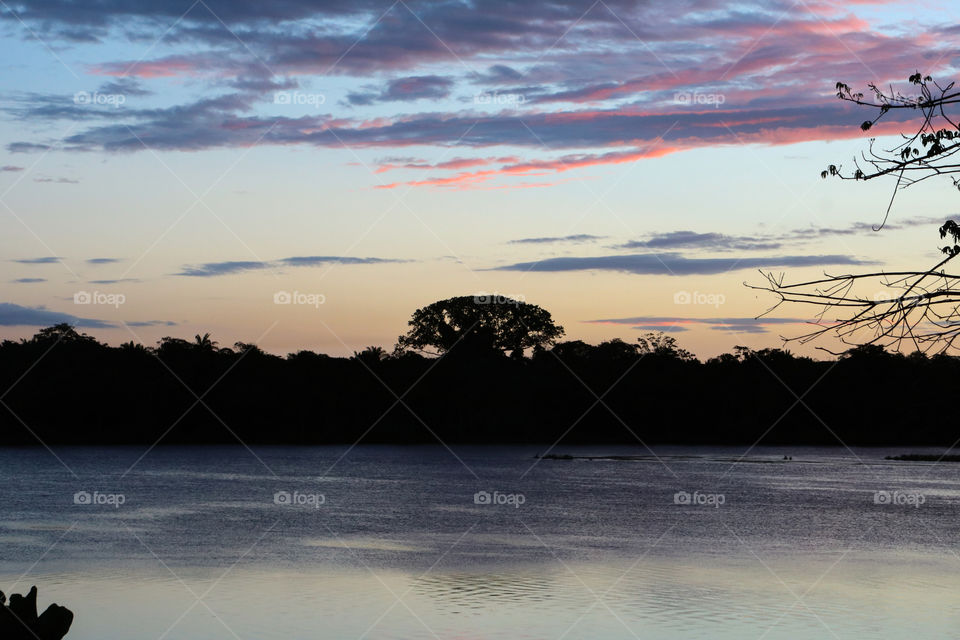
211,269
670,324
675,264
572,85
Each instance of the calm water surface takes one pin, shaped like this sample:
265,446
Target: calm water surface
400,542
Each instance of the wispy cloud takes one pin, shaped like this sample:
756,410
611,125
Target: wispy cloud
677,264
57,180
721,242
499,74
711,241
575,238
43,260
679,323
12,315
15,315
405,89
861,228
125,86
210,269
151,323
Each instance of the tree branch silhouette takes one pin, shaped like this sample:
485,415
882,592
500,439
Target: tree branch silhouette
918,310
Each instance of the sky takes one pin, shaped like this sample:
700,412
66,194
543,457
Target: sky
304,175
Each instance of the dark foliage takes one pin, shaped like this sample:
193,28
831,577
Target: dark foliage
65,387
480,323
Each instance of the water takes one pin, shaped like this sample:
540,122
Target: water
389,542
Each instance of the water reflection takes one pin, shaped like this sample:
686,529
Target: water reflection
399,548
482,590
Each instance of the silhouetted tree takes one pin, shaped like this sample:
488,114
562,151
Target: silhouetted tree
480,323
371,355
660,344
572,350
168,345
901,310
617,350
61,333
246,348
204,342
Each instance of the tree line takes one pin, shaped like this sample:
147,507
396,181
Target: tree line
63,387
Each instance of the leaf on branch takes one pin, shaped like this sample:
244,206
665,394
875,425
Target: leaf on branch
951,251
952,228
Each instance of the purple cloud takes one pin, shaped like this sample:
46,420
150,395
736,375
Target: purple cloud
675,264
672,324
406,89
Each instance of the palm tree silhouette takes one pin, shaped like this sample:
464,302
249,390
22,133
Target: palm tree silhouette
205,343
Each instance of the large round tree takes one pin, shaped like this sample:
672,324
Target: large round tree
477,323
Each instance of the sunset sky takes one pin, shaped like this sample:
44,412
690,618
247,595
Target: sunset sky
174,167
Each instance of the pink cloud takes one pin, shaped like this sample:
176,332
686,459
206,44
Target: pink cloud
160,68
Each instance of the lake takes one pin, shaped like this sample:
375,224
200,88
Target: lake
483,542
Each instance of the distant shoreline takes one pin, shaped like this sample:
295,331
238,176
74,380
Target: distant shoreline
922,457
772,451
65,388
911,457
